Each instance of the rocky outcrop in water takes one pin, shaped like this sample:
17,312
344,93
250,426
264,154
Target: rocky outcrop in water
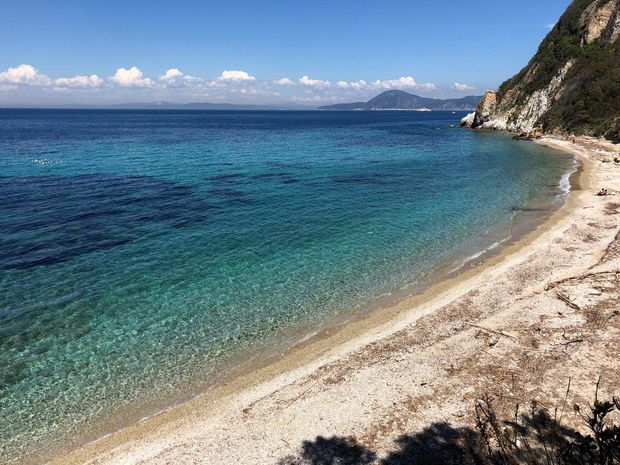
485,110
468,120
570,85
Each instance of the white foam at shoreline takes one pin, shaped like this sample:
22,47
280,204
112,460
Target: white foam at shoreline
472,257
564,185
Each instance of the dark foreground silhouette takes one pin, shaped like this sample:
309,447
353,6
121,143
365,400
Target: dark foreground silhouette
533,438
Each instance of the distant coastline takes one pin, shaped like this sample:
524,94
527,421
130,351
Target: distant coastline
401,100
391,100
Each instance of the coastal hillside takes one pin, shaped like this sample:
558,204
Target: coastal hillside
400,100
571,85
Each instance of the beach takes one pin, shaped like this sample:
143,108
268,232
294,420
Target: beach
520,325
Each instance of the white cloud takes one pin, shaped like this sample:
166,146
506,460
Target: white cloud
404,81
171,75
175,78
235,76
131,77
83,82
550,25
354,85
314,83
24,74
256,92
284,82
427,86
232,85
28,75
462,87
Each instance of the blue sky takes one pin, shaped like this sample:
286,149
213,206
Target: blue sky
111,51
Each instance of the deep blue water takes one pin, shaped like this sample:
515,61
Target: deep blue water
140,249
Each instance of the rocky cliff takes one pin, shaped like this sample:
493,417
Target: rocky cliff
571,85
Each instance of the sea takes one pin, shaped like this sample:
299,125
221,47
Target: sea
142,251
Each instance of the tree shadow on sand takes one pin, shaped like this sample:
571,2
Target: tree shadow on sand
438,444
331,451
533,438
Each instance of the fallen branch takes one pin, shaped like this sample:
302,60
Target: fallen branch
567,301
501,333
295,399
581,277
613,314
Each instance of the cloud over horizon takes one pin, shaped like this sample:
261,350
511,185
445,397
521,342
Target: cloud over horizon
131,77
462,87
235,76
315,83
24,75
85,82
238,86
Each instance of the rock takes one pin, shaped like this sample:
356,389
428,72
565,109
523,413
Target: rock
520,117
595,18
537,133
485,109
614,27
468,120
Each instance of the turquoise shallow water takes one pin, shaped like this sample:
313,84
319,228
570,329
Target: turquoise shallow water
140,250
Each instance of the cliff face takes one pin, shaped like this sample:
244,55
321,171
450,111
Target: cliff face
572,84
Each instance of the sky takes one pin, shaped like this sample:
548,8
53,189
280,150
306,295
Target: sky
259,52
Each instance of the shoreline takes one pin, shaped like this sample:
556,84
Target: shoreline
315,353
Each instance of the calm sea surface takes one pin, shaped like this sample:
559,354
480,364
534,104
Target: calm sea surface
139,251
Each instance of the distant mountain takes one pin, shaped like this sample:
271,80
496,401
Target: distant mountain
400,100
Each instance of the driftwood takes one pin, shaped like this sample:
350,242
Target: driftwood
581,277
568,341
613,314
564,298
501,333
572,341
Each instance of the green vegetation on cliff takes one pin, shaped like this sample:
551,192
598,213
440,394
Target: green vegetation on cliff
589,102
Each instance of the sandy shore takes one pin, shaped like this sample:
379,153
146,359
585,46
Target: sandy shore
517,327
